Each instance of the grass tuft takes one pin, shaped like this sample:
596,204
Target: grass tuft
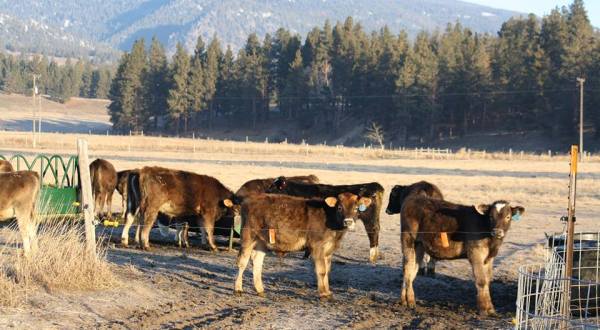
61,262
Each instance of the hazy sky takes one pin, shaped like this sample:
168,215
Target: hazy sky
542,7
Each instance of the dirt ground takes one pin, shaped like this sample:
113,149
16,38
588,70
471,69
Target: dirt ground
177,288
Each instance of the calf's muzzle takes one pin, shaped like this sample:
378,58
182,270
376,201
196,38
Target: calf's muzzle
349,223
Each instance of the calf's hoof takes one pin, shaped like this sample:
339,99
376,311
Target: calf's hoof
237,293
491,312
261,294
124,243
408,304
327,297
374,255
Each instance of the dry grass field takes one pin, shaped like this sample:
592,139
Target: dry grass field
174,288
78,115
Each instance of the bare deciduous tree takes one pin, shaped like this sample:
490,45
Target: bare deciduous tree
376,134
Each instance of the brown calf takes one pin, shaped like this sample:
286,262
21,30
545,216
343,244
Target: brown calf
179,193
397,197
5,166
104,182
258,186
451,231
285,224
18,196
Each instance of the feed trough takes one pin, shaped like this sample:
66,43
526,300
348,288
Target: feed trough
59,177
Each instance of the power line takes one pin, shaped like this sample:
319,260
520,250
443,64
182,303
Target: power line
403,95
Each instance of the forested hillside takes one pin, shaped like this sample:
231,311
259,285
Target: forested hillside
120,22
439,86
60,81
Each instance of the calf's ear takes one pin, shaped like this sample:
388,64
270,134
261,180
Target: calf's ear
280,182
365,201
517,209
227,202
331,201
482,208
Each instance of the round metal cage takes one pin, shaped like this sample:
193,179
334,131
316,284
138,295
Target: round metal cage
543,291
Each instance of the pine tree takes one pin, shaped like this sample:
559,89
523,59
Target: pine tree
101,79
418,86
211,64
253,72
127,92
196,83
227,84
295,92
554,40
85,85
177,100
156,84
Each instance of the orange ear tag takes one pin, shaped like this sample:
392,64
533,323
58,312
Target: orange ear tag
271,236
444,238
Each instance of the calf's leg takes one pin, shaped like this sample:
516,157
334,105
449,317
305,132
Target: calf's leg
327,271
482,282
258,256
28,230
426,262
123,204
242,263
101,214
321,274
149,219
125,234
98,205
209,227
109,204
372,228
431,266
138,230
185,234
409,270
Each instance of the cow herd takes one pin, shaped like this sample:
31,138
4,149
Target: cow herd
287,214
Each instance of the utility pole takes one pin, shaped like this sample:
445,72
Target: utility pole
35,90
581,81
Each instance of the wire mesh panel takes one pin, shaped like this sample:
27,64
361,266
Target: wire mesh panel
543,290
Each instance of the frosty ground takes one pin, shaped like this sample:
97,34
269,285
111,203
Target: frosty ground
174,288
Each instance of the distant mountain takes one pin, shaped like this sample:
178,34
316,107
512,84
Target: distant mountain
32,36
119,22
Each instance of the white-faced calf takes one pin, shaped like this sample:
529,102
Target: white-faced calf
450,231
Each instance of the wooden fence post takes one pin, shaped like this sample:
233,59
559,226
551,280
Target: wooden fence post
87,201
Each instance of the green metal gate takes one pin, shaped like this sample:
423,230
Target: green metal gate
59,193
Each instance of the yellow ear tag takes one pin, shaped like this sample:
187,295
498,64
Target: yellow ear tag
271,236
108,223
444,238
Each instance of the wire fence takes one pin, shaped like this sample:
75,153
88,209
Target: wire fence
196,145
